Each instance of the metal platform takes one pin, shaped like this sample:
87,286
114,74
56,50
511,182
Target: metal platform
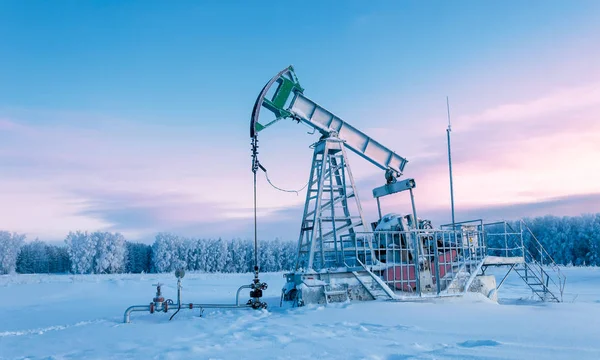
501,260
372,267
536,268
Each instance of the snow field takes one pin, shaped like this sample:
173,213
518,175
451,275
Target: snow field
77,317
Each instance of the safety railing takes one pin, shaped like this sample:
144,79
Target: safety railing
416,262
504,240
542,260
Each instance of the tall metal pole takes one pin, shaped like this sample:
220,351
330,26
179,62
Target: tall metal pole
450,164
418,246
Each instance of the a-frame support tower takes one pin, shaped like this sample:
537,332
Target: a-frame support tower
331,209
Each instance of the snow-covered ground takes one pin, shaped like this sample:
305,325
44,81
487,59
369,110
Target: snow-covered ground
66,317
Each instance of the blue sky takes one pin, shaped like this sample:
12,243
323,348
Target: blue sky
133,116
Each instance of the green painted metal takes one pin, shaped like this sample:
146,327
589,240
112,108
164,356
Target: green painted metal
282,94
287,86
258,127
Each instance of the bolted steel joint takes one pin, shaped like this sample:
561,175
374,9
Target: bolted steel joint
255,304
256,293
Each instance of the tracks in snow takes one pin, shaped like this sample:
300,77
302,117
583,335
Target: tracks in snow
41,331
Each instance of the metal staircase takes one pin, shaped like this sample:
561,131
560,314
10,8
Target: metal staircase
537,269
538,281
330,293
461,277
541,273
373,284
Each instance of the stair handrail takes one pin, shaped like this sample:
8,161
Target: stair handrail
543,274
562,279
540,277
389,292
543,251
529,257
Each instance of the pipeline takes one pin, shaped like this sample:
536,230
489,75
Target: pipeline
140,308
237,294
207,306
165,306
178,298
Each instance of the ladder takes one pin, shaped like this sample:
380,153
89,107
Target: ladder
538,281
331,210
329,292
540,273
552,284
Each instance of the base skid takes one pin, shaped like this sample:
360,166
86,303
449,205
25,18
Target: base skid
328,287
348,284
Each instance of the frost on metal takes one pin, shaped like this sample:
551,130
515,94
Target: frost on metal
341,257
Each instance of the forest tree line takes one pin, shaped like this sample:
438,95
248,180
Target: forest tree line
568,240
109,253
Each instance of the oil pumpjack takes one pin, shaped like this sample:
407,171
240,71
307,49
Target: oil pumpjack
340,256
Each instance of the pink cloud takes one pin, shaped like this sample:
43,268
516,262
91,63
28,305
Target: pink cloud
8,125
558,101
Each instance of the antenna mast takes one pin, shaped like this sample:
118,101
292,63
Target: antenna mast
448,130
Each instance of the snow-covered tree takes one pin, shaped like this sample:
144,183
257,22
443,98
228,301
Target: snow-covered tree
594,241
203,255
217,255
58,259
138,257
266,257
167,253
249,256
181,253
110,252
10,245
100,261
82,251
33,258
237,259
191,254
290,253
196,254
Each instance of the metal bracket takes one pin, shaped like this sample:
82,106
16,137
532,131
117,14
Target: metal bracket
393,188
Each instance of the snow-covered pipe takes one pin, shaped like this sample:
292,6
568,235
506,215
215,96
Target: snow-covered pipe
221,306
237,295
134,308
179,305
127,316
178,298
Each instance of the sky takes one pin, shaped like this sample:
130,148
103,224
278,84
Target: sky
133,116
